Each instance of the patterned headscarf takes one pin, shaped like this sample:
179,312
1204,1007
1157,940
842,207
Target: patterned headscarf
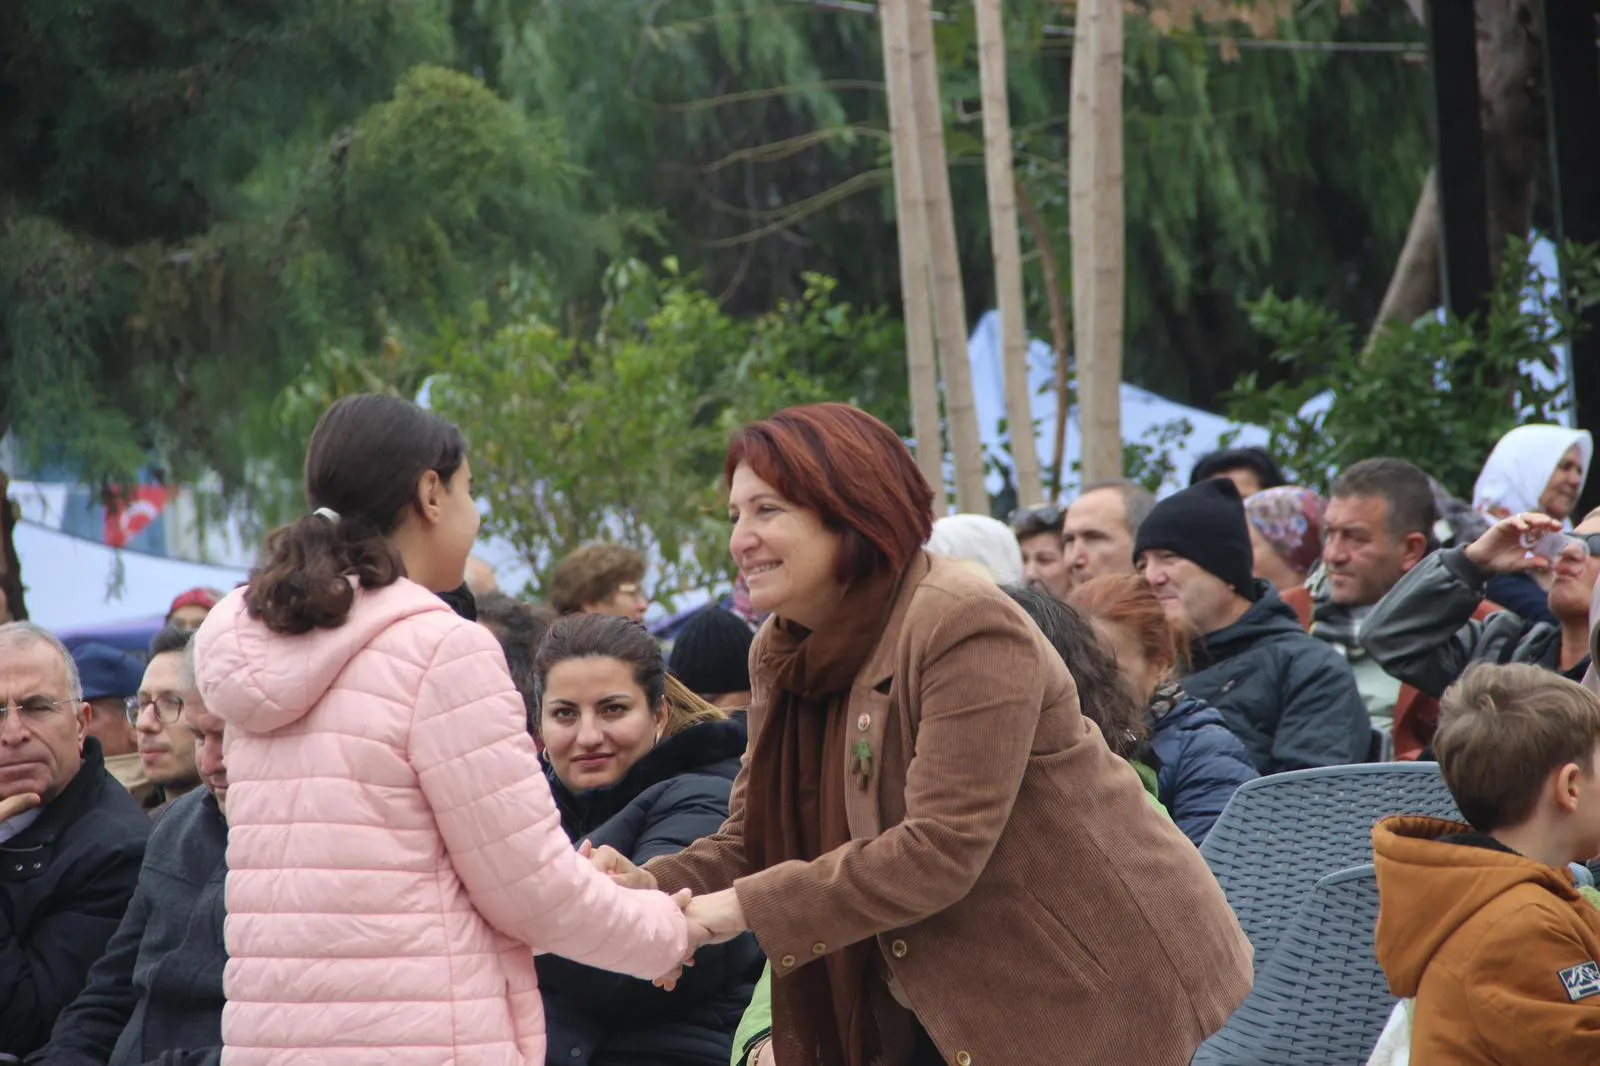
1290,518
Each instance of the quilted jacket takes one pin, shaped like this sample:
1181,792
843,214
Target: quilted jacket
393,848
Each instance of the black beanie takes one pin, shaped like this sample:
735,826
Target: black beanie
1205,524
711,653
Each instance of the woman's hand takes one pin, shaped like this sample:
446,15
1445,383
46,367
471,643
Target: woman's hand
719,915
697,938
1504,548
608,860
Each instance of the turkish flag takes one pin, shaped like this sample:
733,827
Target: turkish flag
128,516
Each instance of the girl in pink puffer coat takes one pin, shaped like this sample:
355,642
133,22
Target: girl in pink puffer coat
395,859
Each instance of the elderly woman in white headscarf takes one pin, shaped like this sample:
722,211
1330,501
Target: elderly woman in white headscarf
1538,469
987,544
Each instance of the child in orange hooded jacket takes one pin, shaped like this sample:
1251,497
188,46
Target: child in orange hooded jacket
1483,924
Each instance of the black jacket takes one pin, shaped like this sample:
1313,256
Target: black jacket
65,882
156,995
1291,698
672,797
1202,765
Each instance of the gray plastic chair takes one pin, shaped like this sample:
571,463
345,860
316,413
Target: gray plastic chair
1279,834
1321,1000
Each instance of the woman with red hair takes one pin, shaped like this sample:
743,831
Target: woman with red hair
1200,763
940,857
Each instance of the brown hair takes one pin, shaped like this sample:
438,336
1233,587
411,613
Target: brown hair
1504,729
365,458
853,471
519,627
1127,600
603,636
1104,693
592,574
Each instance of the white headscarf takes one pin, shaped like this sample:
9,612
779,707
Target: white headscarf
1521,465
977,538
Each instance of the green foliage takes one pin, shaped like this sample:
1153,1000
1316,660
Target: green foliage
620,433
1437,393
199,202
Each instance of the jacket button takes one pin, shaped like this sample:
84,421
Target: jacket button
963,1059
576,1053
898,949
786,962
819,948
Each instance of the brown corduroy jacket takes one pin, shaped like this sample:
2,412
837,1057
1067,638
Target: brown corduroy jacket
1029,902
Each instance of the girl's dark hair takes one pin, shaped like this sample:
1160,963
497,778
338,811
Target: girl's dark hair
1104,692
604,636
365,459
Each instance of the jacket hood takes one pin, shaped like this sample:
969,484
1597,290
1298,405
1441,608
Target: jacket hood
258,681
1520,466
710,748
1268,617
1429,887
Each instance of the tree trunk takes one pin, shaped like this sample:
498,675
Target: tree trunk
950,306
911,217
1414,290
1002,185
13,607
1510,81
1059,337
1098,237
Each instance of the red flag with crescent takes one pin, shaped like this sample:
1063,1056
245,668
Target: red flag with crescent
128,515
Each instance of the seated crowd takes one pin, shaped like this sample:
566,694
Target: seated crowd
1238,628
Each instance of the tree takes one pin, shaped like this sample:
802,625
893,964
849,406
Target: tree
615,435
910,203
1405,395
1003,238
196,201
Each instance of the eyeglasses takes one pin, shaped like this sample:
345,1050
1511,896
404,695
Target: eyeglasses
1040,516
34,709
167,706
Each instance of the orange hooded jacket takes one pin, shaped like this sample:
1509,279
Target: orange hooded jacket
1500,952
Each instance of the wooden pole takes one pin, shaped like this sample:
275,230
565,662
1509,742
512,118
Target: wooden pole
1007,248
1095,155
911,219
950,306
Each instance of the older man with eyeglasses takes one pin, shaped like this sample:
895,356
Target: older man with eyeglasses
71,838
166,745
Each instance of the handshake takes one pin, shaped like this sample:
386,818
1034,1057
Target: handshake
714,918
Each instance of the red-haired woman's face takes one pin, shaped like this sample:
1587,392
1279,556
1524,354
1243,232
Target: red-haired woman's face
786,554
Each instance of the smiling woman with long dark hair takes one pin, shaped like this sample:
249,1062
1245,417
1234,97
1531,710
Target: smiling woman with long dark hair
942,859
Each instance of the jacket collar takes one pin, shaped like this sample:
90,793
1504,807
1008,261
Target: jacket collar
698,749
61,812
879,666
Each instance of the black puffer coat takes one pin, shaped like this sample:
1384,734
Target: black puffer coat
1291,698
672,797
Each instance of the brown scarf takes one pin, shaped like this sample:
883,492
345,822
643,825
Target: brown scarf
796,807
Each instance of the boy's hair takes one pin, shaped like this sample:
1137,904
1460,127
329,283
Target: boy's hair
1504,729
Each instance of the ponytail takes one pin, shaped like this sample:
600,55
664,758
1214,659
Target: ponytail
363,464
686,710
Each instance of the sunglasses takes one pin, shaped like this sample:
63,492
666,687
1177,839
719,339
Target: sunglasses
1040,516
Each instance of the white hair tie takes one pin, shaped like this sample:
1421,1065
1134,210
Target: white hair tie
327,512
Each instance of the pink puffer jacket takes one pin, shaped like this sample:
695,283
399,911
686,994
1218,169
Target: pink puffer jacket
393,849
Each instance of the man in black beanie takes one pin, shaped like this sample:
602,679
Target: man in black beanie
1291,698
711,656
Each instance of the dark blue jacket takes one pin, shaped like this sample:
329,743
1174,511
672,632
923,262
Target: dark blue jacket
1201,764
65,882
156,995
1290,697
672,797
